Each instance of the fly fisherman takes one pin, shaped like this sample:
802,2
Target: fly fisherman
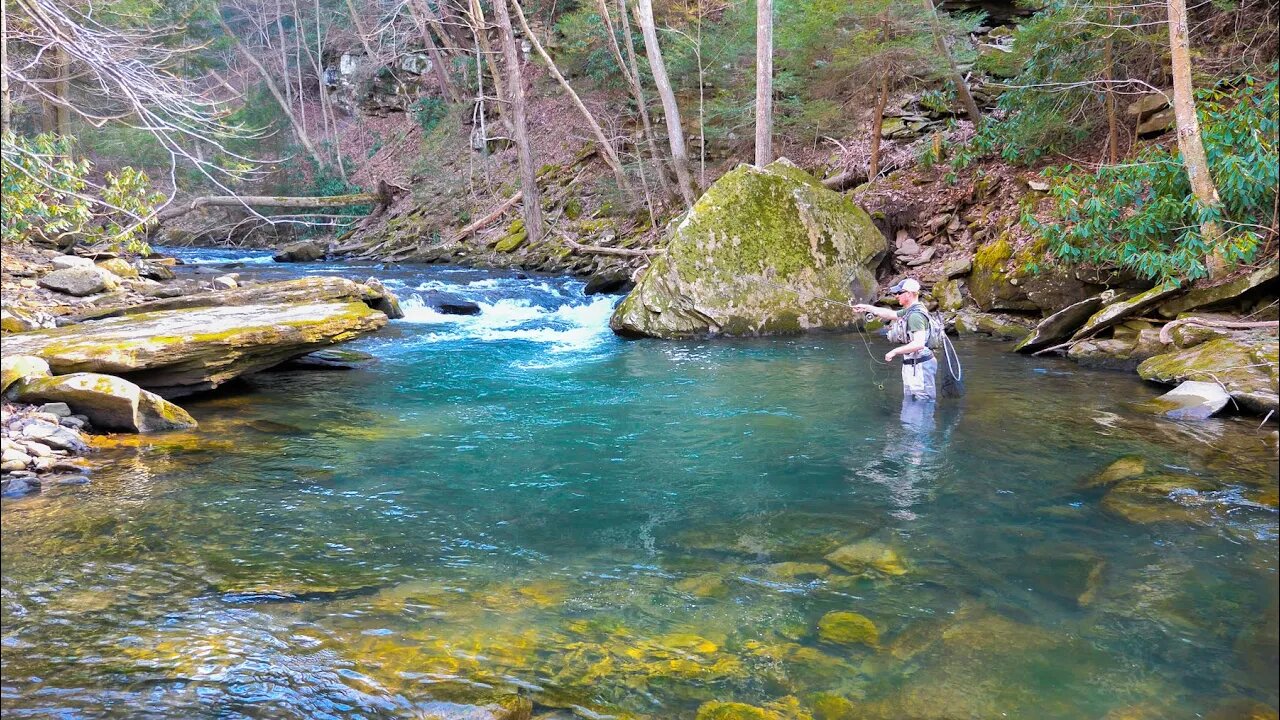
919,366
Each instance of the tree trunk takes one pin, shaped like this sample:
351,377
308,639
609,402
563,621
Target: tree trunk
62,90
531,207
642,104
6,100
284,56
764,82
1108,75
962,87
1190,143
359,26
480,27
606,148
433,51
298,130
675,133
876,121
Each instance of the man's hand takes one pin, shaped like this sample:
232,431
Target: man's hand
863,307
888,357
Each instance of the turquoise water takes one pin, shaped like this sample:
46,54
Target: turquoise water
520,503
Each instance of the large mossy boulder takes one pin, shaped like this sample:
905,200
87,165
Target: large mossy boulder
1245,366
109,402
764,251
175,352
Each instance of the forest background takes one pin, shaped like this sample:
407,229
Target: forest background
1153,125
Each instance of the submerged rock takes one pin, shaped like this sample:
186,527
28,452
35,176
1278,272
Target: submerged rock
1130,466
180,351
764,251
1160,498
109,402
860,557
848,628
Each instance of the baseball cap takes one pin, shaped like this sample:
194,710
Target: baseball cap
907,285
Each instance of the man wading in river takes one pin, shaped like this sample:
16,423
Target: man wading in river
910,326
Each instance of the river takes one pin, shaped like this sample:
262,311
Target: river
520,502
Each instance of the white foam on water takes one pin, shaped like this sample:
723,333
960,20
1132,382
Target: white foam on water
566,328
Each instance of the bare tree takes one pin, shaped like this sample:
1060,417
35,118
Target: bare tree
6,100
419,10
632,75
285,107
1190,144
962,87
531,205
671,111
764,82
135,80
606,147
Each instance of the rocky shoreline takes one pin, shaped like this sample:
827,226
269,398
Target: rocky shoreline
97,343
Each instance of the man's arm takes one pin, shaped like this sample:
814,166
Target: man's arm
883,313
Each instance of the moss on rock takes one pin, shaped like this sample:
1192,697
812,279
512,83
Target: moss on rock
1246,367
848,628
764,251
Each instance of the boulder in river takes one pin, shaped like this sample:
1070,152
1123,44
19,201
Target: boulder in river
1245,366
302,251
175,352
1192,400
764,251
448,304
109,402
298,290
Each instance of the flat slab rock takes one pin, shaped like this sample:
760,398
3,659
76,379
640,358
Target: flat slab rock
1192,400
176,352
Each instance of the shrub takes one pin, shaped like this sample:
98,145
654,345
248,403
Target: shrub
47,192
1143,215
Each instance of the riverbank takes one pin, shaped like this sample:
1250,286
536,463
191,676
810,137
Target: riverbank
96,343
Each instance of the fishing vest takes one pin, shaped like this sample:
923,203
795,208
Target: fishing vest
899,333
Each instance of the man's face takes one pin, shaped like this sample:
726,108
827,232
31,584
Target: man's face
905,297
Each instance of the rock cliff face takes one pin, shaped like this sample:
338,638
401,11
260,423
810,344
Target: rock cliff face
764,251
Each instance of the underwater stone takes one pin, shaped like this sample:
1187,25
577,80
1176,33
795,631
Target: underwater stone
1130,466
848,628
864,555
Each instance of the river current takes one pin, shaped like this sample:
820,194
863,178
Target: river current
518,502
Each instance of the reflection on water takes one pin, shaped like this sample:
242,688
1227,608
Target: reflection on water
520,508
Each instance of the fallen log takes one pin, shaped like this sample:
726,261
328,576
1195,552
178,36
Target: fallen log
380,200
600,250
